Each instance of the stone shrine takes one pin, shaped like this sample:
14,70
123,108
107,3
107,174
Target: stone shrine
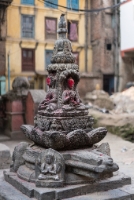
64,150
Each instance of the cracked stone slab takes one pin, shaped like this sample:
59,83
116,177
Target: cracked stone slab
5,157
32,191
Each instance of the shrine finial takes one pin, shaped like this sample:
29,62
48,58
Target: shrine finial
62,30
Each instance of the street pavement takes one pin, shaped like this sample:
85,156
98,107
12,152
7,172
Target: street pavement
121,151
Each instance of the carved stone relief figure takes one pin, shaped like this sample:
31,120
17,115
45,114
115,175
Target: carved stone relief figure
50,168
50,102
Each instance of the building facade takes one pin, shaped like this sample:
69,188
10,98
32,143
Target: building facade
3,24
127,43
105,41
31,33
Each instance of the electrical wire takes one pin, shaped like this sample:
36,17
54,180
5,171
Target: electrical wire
81,10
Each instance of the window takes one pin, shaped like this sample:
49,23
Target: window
48,56
109,47
50,28
73,4
28,2
76,55
27,26
49,5
73,31
28,59
2,85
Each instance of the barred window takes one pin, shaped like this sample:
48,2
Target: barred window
27,26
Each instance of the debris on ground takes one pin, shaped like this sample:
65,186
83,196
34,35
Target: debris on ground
124,101
99,98
120,119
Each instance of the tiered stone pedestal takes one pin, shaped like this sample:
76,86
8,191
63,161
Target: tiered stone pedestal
29,190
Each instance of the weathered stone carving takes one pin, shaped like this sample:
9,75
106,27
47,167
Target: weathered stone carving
50,101
63,123
17,157
50,168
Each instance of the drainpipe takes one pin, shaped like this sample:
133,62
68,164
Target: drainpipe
8,70
86,37
116,55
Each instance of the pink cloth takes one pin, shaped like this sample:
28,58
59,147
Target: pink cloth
51,26
73,32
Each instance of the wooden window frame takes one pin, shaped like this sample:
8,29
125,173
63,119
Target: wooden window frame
22,63
74,21
46,34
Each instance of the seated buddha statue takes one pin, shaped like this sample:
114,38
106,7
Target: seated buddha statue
70,98
50,102
49,169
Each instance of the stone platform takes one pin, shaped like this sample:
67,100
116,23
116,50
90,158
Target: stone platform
29,191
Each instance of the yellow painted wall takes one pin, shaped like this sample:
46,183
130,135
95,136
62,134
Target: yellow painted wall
15,42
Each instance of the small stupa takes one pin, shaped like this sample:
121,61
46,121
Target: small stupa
62,121
64,150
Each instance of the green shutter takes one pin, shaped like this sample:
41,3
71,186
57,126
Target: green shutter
51,5
73,4
27,2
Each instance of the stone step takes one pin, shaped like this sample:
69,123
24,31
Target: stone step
4,138
69,191
116,194
8,192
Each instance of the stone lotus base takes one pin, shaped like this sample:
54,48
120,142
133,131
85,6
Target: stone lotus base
20,189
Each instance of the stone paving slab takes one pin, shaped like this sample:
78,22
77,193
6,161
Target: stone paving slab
69,191
109,195
129,189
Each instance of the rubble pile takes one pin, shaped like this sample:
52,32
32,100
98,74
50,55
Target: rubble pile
120,119
99,98
124,101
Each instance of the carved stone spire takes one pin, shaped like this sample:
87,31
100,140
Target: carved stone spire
62,52
62,30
